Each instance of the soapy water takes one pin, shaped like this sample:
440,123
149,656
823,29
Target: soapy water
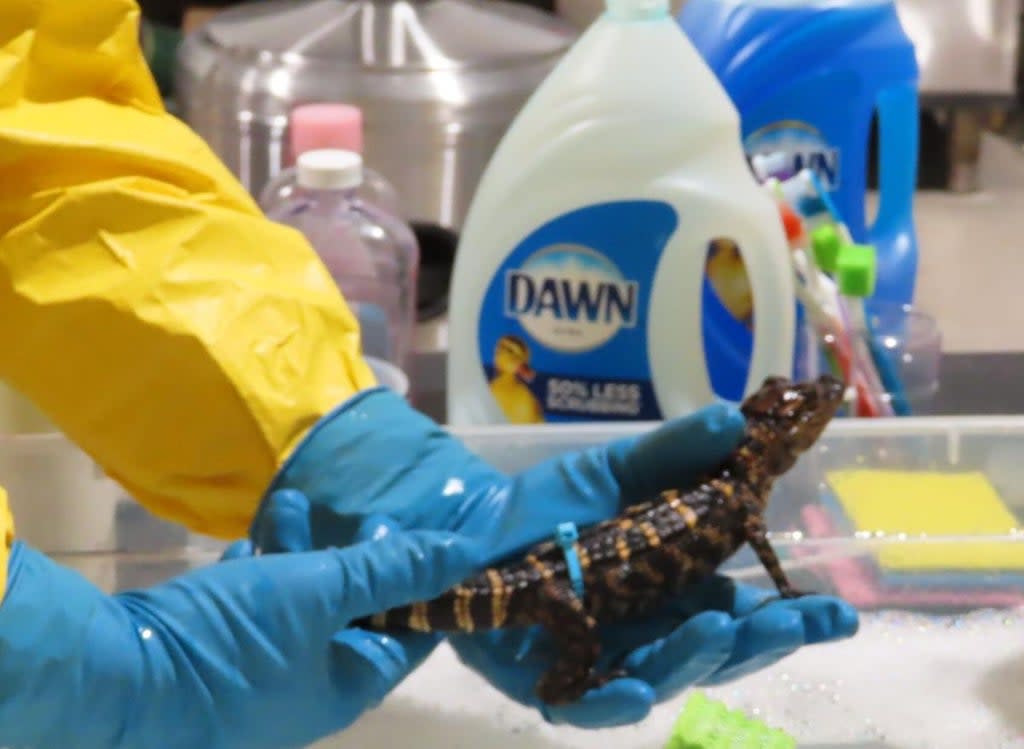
905,681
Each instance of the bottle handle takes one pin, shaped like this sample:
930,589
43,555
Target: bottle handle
897,136
774,293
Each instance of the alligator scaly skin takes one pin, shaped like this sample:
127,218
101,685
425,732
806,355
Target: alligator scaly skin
634,563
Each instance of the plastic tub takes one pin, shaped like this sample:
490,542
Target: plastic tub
930,669
60,498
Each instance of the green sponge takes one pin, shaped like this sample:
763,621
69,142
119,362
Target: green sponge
857,268
707,724
826,245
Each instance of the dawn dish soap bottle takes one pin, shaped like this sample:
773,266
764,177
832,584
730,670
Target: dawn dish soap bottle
581,272
808,77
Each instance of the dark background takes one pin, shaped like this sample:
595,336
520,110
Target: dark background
170,12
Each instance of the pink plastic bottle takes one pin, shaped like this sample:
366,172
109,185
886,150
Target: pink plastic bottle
371,254
328,126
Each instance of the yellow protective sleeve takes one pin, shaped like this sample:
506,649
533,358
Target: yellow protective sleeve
6,539
148,307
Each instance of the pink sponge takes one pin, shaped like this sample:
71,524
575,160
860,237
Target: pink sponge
327,125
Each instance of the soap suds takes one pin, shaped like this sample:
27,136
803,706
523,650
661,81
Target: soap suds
905,681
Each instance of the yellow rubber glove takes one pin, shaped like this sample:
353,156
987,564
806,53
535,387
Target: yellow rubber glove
146,305
6,540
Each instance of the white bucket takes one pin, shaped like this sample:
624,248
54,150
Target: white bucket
389,375
61,500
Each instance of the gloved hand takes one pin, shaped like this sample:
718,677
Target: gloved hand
244,654
720,631
377,457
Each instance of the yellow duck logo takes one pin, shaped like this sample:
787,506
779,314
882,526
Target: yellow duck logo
728,276
511,372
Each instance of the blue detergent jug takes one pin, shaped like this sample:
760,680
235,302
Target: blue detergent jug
807,77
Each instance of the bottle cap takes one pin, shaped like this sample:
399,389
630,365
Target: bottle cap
327,125
329,169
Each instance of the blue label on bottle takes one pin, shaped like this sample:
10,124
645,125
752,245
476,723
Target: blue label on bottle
805,146
563,328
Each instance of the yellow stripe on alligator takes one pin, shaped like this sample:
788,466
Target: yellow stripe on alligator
622,548
583,555
651,533
499,601
419,620
463,619
544,570
688,515
645,568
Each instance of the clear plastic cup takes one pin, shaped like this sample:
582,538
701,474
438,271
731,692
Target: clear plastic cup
906,345
910,342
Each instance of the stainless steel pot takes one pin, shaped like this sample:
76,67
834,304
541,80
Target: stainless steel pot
439,82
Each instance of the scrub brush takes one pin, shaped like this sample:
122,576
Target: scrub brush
708,724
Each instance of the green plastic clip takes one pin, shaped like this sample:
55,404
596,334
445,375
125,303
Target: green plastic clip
826,243
858,270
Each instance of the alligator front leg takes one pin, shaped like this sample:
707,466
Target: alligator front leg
574,673
758,539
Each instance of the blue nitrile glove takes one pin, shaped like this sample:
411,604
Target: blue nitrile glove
714,635
244,654
376,456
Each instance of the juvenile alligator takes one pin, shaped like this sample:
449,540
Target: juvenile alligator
632,564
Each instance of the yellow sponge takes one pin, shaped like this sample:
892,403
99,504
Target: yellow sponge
934,504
